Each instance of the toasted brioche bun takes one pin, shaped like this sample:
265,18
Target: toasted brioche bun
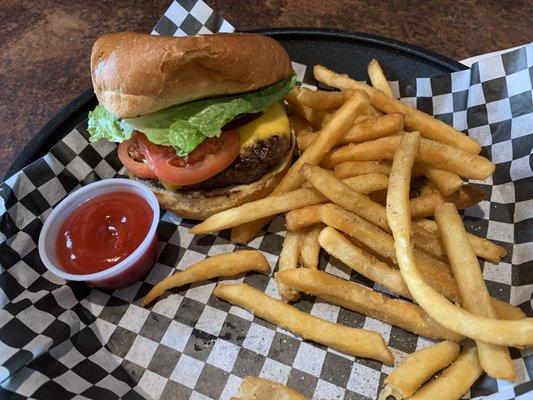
201,204
135,74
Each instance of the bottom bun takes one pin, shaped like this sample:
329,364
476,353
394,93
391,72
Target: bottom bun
201,204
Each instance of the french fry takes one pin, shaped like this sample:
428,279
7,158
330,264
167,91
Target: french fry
455,381
353,168
367,129
352,341
425,205
340,193
254,388
489,330
283,202
445,181
482,247
303,217
417,368
288,259
309,247
330,134
228,264
321,99
428,126
378,79
436,154
495,360
300,125
363,300
314,117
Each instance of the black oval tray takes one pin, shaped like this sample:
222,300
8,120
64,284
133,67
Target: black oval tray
343,51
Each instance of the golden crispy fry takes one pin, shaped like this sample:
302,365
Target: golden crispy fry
303,217
330,134
289,258
438,155
378,79
455,380
254,388
352,341
363,300
369,128
314,117
322,99
445,181
309,247
495,360
495,331
428,126
466,196
416,369
340,193
228,264
353,168
482,247
283,202
300,125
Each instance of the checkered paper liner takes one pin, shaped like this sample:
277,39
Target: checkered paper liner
66,340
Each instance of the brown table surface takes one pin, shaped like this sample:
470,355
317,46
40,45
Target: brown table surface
44,62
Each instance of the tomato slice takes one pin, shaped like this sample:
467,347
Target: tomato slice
208,159
130,154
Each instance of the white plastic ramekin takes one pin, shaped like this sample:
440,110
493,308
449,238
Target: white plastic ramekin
132,268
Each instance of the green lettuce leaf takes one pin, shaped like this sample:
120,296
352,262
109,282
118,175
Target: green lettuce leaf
185,126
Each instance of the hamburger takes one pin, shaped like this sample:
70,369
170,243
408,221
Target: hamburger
198,119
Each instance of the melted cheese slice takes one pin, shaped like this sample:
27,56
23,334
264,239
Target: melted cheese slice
274,121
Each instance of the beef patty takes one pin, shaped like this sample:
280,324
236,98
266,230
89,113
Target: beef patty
250,166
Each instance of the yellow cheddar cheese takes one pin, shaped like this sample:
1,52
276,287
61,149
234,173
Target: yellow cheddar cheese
274,121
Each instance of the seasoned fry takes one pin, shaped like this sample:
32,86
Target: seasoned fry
321,99
416,369
495,331
378,79
363,300
283,202
353,168
314,117
482,247
367,129
466,196
228,264
288,258
352,341
445,181
428,126
330,134
300,125
309,246
455,380
254,388
438,155
303,217
340,193
495,360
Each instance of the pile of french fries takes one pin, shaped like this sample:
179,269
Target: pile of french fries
377,185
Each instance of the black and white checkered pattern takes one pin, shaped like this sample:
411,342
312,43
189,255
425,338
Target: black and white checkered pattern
65,340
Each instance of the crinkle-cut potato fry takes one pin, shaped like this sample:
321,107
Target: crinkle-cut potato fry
489,330
309,246
338,192
351,341
369,128
322,99
341,121
227,264
254,388
288,259
378,78
455,381
428,126
303,217
495,360
436,154
417,368
283,202
361,299
483,248
353,168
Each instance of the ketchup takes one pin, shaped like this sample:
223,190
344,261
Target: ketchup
102,231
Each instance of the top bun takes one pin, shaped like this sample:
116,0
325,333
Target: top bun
135,74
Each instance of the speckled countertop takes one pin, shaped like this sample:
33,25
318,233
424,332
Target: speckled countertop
46,43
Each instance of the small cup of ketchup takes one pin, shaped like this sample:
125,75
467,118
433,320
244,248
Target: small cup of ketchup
104,234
